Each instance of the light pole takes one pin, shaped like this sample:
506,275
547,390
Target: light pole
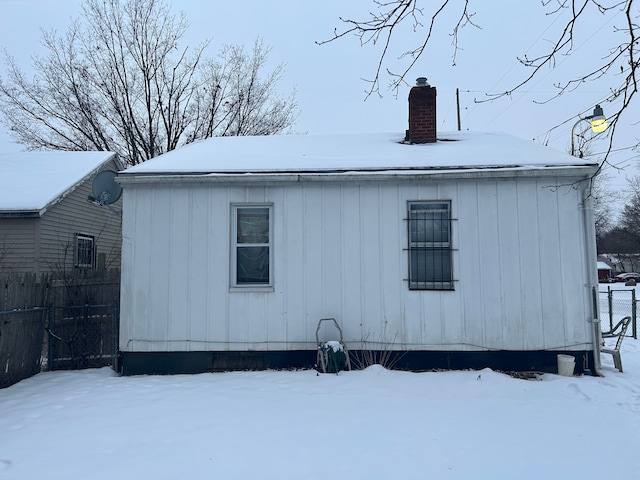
597,121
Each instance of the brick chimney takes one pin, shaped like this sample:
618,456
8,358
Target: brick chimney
422,113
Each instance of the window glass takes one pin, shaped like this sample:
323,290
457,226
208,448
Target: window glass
84,251
253,225
430,264
252,247
252,265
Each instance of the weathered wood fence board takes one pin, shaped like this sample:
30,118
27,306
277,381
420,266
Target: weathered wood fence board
21,335
26,301
23,290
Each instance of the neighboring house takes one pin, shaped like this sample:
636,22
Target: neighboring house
622,262
46,221
604,271
468,250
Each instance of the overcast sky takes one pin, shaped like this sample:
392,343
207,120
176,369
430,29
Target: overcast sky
328,78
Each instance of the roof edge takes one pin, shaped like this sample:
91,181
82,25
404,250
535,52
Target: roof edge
581,171
113,157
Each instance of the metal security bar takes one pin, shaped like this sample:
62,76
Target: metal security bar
430,250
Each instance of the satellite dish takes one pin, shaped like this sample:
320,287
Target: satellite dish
105,190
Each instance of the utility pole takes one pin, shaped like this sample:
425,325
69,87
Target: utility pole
458,107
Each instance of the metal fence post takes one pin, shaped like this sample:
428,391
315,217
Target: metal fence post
50,339
633,314
610,301
116,324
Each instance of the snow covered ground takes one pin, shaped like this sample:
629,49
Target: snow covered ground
372,423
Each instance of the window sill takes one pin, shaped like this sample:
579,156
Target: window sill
432,288
252,288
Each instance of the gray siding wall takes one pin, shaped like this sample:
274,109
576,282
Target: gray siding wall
47,244
18,244
75,215
340,251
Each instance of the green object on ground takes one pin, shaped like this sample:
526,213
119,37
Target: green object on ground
335,359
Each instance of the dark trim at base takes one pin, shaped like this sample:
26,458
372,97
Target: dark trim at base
140,363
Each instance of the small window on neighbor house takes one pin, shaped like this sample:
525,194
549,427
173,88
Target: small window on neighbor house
85,251
430,246
251,262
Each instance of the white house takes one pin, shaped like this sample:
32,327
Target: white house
462,250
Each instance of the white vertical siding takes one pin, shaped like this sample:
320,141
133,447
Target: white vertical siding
203,253
478,263
289,277
552,284
488,250
371,319
572,248
353,254
529,234
513,276
339,250
393,231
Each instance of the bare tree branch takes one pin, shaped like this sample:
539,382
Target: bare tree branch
621,65
118,81
389,17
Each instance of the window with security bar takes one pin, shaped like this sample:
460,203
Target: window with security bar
430,257
85,251
251,265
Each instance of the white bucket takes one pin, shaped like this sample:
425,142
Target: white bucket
566,365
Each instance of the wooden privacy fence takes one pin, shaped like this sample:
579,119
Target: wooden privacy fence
24,290
53,321
78,287
56,338
21,337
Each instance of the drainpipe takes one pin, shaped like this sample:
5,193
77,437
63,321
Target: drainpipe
591,253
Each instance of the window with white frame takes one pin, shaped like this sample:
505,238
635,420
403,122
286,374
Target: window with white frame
251,235
85,251
430,245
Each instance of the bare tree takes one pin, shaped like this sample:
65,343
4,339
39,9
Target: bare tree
603,200
630,218
119,81
234,100
623,241
621,64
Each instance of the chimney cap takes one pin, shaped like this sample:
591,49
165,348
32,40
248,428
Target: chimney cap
421,82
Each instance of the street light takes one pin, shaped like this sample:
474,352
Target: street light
597,121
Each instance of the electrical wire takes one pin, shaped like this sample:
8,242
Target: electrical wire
522,93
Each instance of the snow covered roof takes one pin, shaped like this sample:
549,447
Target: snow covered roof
300,154
603,266
31,181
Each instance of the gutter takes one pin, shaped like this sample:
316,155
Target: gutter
22,213
592,273
412,175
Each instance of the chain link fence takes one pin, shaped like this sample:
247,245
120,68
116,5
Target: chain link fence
616,304
82,336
